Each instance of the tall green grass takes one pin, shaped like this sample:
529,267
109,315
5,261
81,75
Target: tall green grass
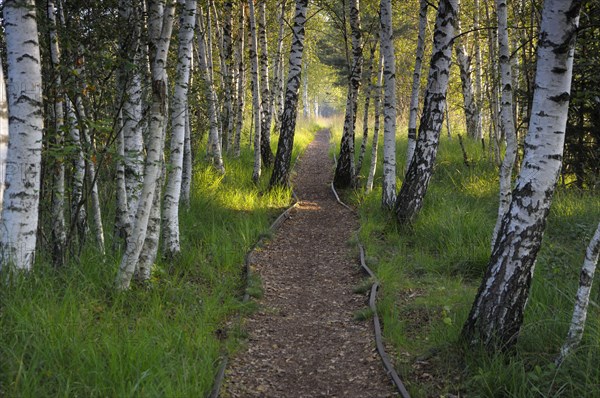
431,270
68,333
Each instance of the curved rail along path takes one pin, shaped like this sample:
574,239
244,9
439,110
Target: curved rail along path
303,341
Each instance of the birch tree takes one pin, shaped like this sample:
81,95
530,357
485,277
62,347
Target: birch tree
496,316
416,182
214,140
278,93
507,121
478,78
178,124
283,158
344,173
227,72
416,84
377,110
265,95
256,103
464,66
22,186
368,94
58,234
160,25
388,192
582,300
241,82
3,133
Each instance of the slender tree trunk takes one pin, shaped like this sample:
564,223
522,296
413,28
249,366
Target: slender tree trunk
369,91
256,104
228,92
389,106
178,124
132,111
160,20
377,107
121,211
493,93
22,194
214,141
586,278
78,212
241,83
416,84
187,172
278,84
464,65
344,173
416,182
265,128
283,158
3,134
507,121
59,234
305,108
478,78
497,314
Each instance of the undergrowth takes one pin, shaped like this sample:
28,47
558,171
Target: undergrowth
430,273
67,332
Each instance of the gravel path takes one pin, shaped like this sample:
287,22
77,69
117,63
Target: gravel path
303,341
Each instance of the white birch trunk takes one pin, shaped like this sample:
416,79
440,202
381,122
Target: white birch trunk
265,128
121,211
416,84
497,314
22,194
256,103
368,94
416,182
187,173
507,121
160,20
3,133
178,125
478,77
214,140
388,193
59,234
78,212
377,106
241,83
278,84
582,300
305,109
227,72
283,158
464,66
344,173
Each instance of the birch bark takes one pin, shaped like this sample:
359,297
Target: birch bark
241,83
283,158
497,313
388,193
178,125
416,84
507,121
368,94
265,128
416,182
582,300
256,103
377,106
22,187
161,22
344,173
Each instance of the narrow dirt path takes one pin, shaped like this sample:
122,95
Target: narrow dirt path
303,341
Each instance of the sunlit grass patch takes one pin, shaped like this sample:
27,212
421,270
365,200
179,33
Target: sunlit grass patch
430,272
68,332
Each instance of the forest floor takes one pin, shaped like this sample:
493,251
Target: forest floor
303,341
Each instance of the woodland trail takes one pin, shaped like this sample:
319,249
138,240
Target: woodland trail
303,341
